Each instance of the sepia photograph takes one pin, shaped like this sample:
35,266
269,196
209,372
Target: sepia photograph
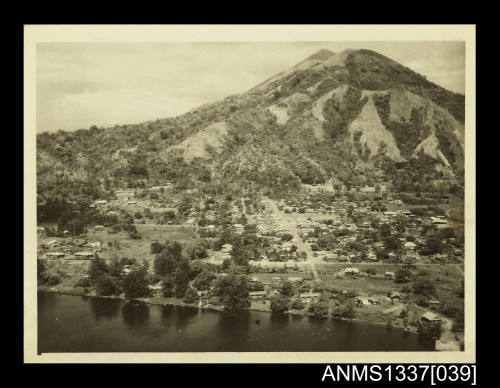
250,193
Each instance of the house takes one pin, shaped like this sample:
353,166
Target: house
126,270
353,271
390,275
295,279
95,245
55,254
227,248
98,227
437,221
410,245
361,301
395,295
155,287
85,255
433,302
257,294
374,300
430,317
310,295
254,279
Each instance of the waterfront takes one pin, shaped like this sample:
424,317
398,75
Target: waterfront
68,323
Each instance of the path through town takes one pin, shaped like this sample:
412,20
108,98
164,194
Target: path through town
290,220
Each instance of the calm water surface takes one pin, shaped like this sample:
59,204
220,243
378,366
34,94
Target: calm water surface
68,323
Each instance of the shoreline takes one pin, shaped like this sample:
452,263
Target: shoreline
162,301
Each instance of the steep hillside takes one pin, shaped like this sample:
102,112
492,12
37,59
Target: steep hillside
354,116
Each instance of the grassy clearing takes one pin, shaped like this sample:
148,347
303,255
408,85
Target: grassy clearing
360,284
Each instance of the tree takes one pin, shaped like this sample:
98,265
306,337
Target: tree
196,251
345,310
239,254
40,269
135,283
423,284
204,280
459,321
191,296
402,275
432,246
167,287
279,304
105,284
385,230
234,291
115,266
319,309
166,262
391,243
97,267
287,288
182,277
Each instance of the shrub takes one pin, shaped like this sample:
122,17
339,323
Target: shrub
156,247
191,296
429,329
298,304
279,304
52,279
319,309
105,284
83,282
135,236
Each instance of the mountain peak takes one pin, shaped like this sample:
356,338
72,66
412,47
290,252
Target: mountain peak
322,54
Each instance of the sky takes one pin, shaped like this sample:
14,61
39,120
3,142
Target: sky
104,84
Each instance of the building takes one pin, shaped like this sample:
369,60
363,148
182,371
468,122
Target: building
55,254
295,279
84,255
353,271
310,295
227,248
409,245
438,220
361,301
257,294
430,317
390,275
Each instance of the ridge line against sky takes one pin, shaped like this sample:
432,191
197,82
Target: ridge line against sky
105,84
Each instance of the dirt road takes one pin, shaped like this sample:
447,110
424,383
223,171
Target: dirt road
290,220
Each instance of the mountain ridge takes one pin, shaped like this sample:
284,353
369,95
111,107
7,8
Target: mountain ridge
355,116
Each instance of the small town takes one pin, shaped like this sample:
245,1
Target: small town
266,197
362,253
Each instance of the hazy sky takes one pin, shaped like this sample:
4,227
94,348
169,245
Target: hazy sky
103,84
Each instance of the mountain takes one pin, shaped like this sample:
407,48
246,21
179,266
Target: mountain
354,117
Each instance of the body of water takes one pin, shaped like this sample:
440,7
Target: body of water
68,323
